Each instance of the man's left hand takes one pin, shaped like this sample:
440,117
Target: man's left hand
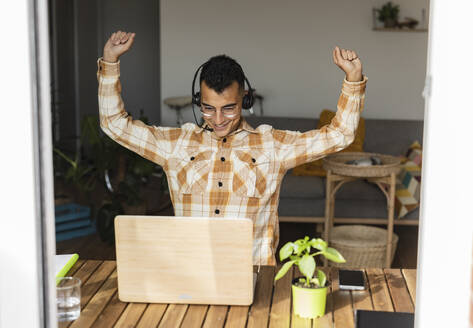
348,62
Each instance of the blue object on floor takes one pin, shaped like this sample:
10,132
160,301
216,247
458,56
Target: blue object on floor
72,221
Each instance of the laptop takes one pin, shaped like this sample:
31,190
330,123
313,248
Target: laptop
189,260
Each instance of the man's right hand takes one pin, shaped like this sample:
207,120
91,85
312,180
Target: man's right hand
119,43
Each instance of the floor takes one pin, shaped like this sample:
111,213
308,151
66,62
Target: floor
91,247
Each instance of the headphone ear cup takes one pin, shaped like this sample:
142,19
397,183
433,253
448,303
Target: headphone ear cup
196,99
247,101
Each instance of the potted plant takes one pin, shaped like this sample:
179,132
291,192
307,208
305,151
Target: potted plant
388,14
309,293
121,175
124,174
79,175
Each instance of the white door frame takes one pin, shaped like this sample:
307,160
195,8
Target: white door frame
27,236
445,228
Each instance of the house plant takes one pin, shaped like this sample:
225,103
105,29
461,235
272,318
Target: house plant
124,173
79,174
388,14
121,176
309,293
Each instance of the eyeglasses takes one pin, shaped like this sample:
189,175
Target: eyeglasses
211,112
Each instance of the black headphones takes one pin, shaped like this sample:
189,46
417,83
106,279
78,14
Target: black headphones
248,99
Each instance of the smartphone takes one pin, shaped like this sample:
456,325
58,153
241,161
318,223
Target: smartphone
351,280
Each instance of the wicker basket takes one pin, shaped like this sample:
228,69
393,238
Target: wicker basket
361,246
336,163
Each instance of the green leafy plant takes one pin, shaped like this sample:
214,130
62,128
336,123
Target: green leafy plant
79,172
127,171
388,12
298,253
124,173
100,161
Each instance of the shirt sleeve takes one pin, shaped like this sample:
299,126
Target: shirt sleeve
151,142
294,148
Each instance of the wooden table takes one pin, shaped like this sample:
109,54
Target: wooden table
389,290
335,181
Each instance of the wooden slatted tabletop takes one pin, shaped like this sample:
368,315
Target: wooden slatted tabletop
389,290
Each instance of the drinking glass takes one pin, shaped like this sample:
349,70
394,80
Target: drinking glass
68,298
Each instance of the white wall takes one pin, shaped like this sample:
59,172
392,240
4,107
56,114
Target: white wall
285,49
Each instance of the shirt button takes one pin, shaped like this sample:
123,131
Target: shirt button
220,184
192,158
217,211
222,159
224,140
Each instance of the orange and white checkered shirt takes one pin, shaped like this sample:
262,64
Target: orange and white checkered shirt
236,176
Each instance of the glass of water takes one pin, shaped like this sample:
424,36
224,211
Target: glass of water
68,298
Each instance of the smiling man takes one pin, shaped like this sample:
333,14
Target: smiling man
227,168
222,90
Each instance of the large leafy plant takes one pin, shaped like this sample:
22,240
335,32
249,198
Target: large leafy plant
79,173
101,161
124,173
298,253
127,172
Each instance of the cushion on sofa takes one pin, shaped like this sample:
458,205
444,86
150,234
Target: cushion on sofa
360,190
391,137
314,188
308,187
408,184
344,208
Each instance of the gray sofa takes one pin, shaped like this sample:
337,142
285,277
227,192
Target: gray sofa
302,198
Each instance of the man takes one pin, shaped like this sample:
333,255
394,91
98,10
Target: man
227,168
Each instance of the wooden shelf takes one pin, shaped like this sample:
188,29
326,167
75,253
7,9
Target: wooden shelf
384,29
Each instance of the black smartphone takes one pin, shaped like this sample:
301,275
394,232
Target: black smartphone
351,280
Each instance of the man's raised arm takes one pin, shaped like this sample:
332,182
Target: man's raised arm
295,148
151,142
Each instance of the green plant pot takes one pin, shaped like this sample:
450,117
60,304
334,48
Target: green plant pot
308,302
390,23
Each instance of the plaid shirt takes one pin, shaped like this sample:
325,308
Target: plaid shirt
236,176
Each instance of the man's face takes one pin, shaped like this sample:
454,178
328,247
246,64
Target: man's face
225,108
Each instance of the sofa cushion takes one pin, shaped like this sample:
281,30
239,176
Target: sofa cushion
360,190
344,208
392,137
408,184
314,188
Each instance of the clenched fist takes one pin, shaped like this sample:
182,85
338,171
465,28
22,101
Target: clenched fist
348,62
119,43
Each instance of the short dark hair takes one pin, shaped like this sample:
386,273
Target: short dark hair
219,72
